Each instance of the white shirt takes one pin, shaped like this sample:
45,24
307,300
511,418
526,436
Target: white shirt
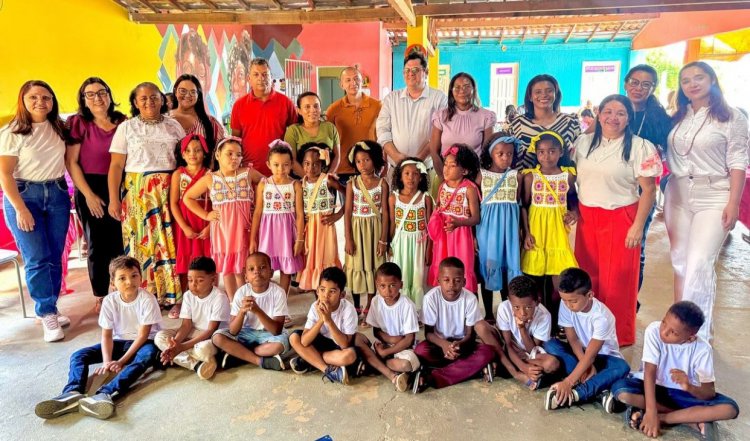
604,179
124,319
397,320
212,308
539,327
407,122
345,318
272,301
695,359
718,146
150,147
597,324
450,318
41,154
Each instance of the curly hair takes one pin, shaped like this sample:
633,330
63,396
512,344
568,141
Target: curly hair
397,181
523,287
375,153
466,159
304,148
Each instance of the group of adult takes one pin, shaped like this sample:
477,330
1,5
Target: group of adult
121,168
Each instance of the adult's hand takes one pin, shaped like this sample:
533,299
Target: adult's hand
25,220
114,209
95,204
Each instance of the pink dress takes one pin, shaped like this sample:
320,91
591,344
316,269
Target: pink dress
233,197
278,230
459,242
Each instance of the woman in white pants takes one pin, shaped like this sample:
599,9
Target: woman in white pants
707,156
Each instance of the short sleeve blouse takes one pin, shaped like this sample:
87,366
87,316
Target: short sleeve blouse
149,147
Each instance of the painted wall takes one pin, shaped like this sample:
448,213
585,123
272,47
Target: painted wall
563,61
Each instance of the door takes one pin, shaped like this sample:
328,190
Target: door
503,87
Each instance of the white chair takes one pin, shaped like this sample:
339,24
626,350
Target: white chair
12,256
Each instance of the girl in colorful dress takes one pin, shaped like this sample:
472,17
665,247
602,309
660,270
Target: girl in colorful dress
192,232
319,199
546,219
365,222
231,192
410,206
498,232
279,218
457,212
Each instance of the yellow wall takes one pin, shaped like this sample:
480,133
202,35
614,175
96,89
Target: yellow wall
64,42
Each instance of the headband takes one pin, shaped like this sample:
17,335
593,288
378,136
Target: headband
279,142
325,154
534,140
419,164
515,142
363,145
227,139
186,140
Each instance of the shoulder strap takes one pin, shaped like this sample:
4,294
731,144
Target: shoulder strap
286,203
549,187
495,188
453,196
366,194
314,195
409,207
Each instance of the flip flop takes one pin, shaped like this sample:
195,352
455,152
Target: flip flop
634,424
710,431
531,384
174,311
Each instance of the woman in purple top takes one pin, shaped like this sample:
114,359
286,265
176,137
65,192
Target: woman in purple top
87,158
464,121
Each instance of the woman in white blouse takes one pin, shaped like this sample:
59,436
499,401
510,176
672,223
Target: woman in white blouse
708,156
143,147
613,164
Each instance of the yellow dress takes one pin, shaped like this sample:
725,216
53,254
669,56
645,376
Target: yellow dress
552,252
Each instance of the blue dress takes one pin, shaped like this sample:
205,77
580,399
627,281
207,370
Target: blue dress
498,230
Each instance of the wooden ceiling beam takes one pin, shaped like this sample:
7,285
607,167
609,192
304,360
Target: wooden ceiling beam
532,21
570,34
593,33
296,16
622,25
546,34
150,6
177,5
210,4
405,9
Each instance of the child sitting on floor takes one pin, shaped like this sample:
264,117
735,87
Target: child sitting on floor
326,342
394,322
591,359
676,382
256,331
129,319
524,325
449,313
204,308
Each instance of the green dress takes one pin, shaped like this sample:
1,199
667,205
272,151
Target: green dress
409,246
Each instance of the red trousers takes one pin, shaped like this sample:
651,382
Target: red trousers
601,252
450,372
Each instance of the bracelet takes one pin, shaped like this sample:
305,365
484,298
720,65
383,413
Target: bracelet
382,243
300,240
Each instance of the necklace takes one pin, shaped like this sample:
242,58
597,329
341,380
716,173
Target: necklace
645,112
705,120
231,192
151,122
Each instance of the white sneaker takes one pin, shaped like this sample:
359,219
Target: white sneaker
52,329
63,320
206,369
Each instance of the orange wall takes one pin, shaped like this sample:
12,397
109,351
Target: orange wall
673,27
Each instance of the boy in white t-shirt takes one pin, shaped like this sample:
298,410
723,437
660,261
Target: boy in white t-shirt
204,308
449,313
256,329
395,324
129,319
524,325
676,382
327,341
591,359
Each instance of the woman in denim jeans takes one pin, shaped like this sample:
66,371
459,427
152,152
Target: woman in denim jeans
35,196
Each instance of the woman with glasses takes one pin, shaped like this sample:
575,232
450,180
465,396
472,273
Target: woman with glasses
144,148
35,196
88,158
191,112
464,121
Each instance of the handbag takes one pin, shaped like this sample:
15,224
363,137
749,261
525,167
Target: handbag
436,224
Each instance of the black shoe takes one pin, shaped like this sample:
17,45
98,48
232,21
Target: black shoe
230,361
274,363
299,365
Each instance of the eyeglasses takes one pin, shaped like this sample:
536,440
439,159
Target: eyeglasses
101,94
43,98
413,70
185,92
152,98
465,88
646,85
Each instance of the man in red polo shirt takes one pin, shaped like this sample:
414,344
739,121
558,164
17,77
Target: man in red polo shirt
261,116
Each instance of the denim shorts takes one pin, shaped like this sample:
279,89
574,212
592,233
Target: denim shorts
672,398
251,338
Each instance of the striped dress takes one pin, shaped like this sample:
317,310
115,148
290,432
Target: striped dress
565,125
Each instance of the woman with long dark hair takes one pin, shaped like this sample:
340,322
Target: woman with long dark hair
311,127
87,158
708,158
191,112
35,196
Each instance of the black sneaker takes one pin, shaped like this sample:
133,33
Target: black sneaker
336,374
60,405
299,365
274,363
230,361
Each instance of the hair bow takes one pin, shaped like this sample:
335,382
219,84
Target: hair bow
279,142
515,142
419,164
453,150
325,154
186,140
534,140
228,139
363,145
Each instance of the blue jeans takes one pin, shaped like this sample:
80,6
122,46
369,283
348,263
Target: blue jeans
646,226
146,357
609,369
674,399
42,247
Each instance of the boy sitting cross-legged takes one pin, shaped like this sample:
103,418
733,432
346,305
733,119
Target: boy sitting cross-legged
327,341
676,381
394,322
129,319
204,308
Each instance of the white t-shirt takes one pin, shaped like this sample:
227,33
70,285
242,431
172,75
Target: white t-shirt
695,359
345,318
539,328
450,318
124,319
41,154
150,147
604,179
272,301
597,324
397,320
212,308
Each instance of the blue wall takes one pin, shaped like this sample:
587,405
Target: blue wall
563,61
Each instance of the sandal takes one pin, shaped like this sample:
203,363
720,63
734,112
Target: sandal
174,311
634,424
709,431
98,305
